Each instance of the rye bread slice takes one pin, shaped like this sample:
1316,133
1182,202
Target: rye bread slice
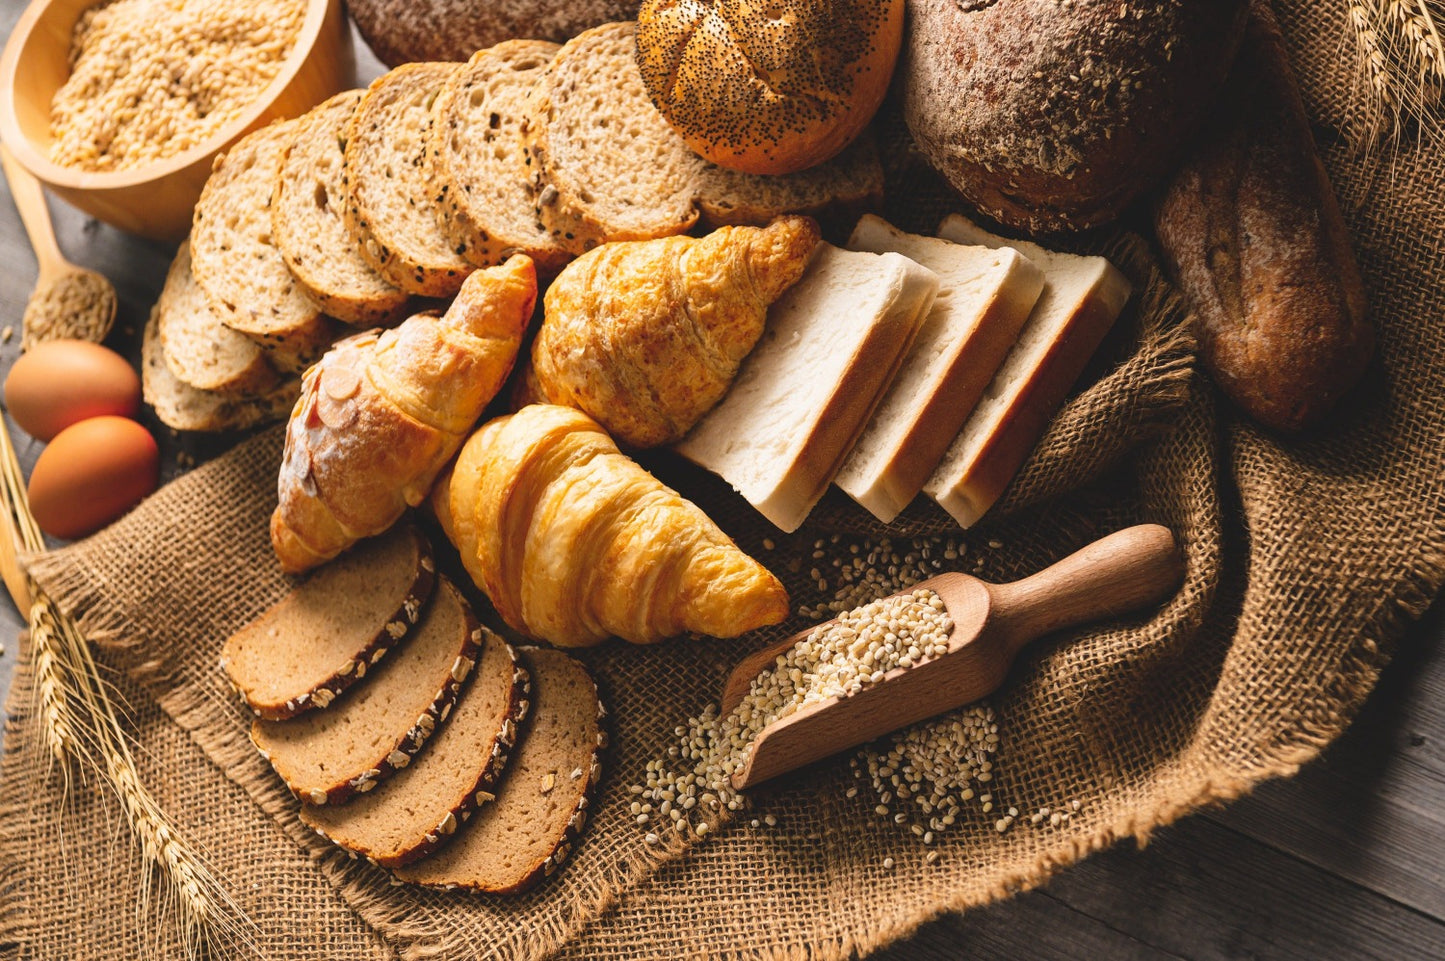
319,639
244,277
307,206
480,164
376,728
198,348
390,208
182,407
419,808
541,806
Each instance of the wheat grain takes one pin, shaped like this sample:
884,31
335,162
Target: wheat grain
1400,60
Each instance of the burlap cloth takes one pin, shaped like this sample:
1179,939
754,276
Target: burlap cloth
1305,561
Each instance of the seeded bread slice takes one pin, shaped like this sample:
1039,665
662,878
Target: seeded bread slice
833,343
244,277
420,808
199,349
480,164
319,639
390,209
307,206
182,407
541,806
327,756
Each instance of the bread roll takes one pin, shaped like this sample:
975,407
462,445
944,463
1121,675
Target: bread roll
1054,116
768,88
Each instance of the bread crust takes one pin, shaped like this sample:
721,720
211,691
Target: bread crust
1253,233
1054,117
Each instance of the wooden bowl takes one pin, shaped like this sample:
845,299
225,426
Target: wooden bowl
155,200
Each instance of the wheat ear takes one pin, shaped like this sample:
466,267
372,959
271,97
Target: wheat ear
1400,61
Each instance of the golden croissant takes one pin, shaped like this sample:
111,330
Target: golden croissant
383,411
574,542
646,336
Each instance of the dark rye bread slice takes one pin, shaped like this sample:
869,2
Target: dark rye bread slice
480,163
390,208
541,806
320,638
307,206
419,808
244,277
376,728
198,348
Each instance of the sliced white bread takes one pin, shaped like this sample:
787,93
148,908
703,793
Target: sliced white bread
984,297
390,209
244,276
832,345
308,203
481,167
180,406
199,349
1082,298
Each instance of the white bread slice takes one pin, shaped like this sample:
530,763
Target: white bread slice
832,345
984,297
1082,298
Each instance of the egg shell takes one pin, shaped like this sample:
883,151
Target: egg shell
62,382
91,474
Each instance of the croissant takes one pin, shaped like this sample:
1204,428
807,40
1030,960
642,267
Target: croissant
574,542
646,336
382,412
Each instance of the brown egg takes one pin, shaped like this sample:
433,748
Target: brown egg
61,382
91,474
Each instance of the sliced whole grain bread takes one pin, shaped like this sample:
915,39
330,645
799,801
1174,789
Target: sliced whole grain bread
390,208
307,206
199,349
244,277
541,805
480,162
419,809
319,639
182,407
325,757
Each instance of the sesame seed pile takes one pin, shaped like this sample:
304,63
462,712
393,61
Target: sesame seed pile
152,78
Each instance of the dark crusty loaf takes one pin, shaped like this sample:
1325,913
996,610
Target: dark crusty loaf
320,639
389,206
1253,233
541,806
307,213
1052,115
480,165
402,31
418,809
244,276
327,756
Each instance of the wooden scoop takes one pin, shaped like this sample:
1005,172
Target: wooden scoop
1129,569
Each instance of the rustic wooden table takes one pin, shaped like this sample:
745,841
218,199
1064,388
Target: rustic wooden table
1344,861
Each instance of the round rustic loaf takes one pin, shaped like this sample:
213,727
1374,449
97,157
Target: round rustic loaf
1053,115
403,31
768,88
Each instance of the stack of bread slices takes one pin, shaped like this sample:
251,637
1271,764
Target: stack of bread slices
906,364
399,191
412,735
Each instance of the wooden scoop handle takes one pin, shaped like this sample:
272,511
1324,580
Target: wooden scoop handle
29,199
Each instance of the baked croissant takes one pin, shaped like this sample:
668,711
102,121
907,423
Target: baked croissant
383,411
646,336
574,542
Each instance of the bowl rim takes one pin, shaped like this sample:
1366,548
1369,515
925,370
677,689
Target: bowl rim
80,179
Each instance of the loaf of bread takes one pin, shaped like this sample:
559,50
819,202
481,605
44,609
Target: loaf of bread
1052,116
1253,234
573,542
646,336
745,86
382,412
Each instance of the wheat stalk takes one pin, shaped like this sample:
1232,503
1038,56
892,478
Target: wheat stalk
1400,61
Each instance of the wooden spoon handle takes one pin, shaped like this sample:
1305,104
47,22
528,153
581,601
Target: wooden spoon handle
1122,572
30,201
